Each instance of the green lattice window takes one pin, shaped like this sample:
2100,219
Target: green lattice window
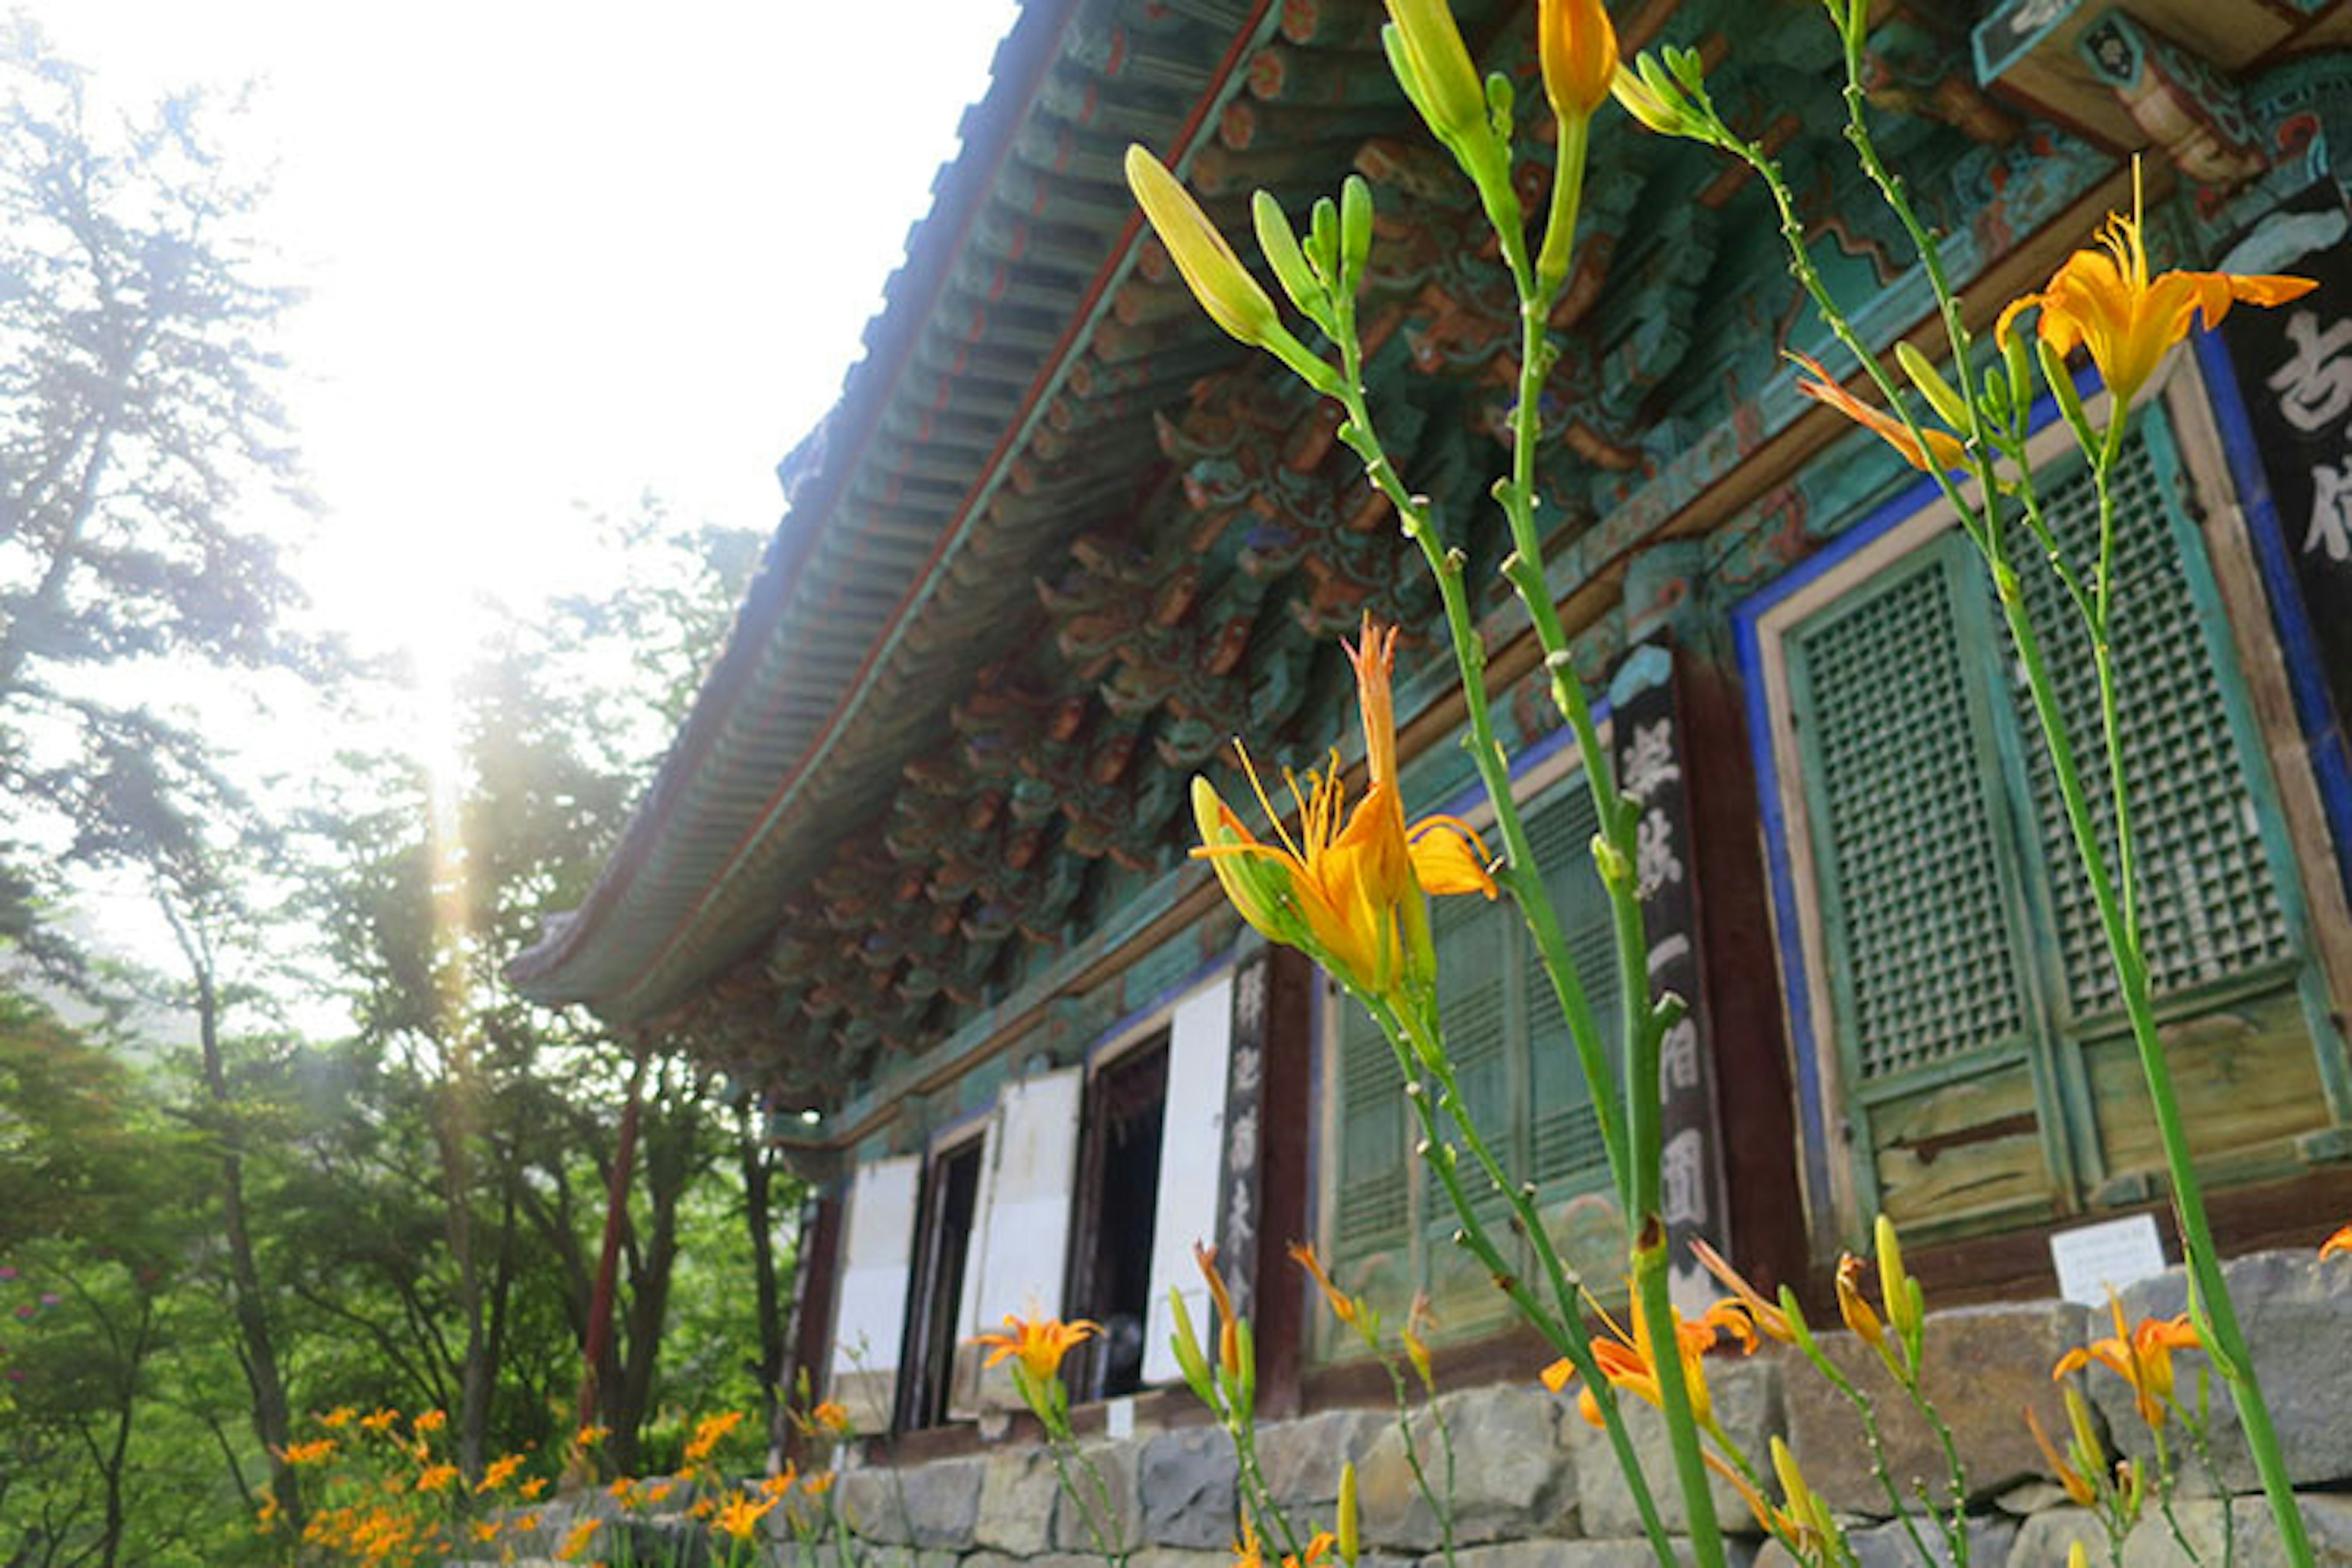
1390,1230
1976,1056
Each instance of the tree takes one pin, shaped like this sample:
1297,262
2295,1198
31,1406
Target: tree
138,429
442,877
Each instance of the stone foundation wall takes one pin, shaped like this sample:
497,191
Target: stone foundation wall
1535,1488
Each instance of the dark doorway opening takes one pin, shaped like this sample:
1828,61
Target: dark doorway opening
1118,1189
950,1197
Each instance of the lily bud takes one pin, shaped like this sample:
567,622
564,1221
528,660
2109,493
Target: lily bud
1648,92
1214,274
1186,1342
1257,888
1895,1286
1939,393
1289,263
1853,1308
1349,1540
1355,232
1450,94
1792,1480
1579,56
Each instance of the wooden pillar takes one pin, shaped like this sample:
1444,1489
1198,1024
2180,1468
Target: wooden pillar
816,1267
1756,1103
1286,1177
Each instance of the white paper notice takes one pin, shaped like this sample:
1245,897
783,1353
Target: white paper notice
2095,1259
1118,1419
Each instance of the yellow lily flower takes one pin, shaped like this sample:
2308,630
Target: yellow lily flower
2103,299
1579,56
1040,1342
1348,889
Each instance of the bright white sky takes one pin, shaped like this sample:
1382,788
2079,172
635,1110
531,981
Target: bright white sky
558,256
560,253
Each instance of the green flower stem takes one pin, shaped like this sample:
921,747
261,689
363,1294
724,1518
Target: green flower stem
1639,1177
1440,1508
1634,1150
1520,871
1956,1528
1564,1329
2224,1339
1258,1498
2118,902
1874,1439
1521,874
2224,1336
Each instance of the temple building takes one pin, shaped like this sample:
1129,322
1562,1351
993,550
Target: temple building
916,867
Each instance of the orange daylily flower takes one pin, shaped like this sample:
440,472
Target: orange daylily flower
1943,446
818,1484
1416,1345
832,1415
1344,1307
2076,1484
2341,1242
781,1482
380,1421
1040,1342
1229,1340
709,1433
2103,298
435,1477
741,1516
316,1451
1627,1362
1769,1320
1348,888
577,1541
498,1473
2141,1355
1579,54
1853,1306
1248,1553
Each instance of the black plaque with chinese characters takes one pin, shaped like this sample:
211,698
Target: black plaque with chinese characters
1239,1190
2293,364
1647,738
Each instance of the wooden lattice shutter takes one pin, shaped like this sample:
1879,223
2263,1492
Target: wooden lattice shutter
1923,934
1477,965
2212,898
1981,1063
2220,936
1564,1152
1371,1225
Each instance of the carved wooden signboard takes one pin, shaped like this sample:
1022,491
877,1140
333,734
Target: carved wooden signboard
2295,370
1646,734
1238,1186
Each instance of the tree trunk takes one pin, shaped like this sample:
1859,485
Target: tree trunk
760,1219
256,1347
